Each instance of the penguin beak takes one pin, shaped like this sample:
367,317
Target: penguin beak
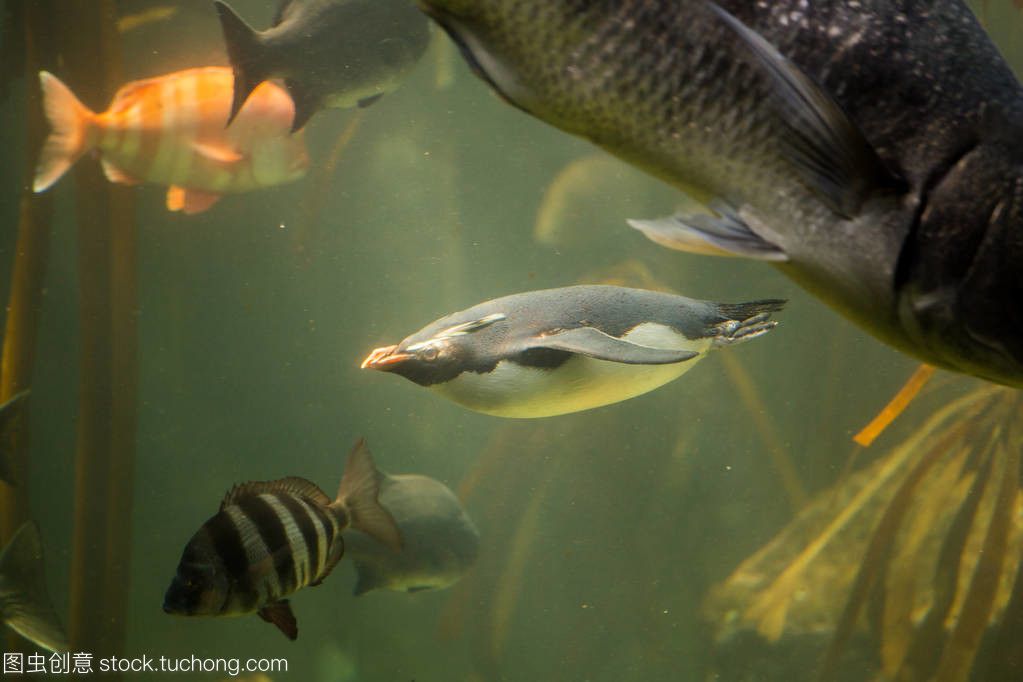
383,358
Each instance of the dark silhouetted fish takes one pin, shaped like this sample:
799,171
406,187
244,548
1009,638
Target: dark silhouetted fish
330,53
272,538
439,540
544,353
24,603
11,414
871,149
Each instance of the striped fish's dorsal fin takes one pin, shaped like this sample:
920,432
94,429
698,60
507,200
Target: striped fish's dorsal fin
292,485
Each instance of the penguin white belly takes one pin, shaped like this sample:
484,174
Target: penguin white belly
580,383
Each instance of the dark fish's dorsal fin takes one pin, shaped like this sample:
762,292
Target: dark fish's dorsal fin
596,344
279,613
292,485
11,414
829,150
245,52
357,495
368,578
27,607
306,103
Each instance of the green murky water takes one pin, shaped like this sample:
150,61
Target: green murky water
601,531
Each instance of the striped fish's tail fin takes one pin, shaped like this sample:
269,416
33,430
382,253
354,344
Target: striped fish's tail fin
71,122
27,609
358,493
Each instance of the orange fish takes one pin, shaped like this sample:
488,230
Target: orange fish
171,130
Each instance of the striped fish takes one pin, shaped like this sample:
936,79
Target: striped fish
172,130
272,538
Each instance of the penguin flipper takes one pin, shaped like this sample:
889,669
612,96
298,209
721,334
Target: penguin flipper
598,345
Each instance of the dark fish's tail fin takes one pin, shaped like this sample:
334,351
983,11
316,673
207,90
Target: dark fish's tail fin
358,493
11,414
72,125
27,609
245,51
745,321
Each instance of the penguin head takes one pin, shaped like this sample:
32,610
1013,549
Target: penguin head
431,357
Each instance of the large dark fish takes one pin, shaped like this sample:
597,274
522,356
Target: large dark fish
12,413
330,53
272,538
873,150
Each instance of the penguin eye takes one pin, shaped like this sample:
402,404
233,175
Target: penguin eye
429,353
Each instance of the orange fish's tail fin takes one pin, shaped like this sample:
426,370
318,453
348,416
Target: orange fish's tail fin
71,123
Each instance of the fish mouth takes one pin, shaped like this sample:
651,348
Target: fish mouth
384,358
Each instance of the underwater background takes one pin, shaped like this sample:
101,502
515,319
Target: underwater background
602,532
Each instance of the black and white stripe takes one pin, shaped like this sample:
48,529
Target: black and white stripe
271,545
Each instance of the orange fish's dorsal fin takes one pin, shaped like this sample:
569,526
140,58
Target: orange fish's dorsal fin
116,174
292,485
217,153
131,93
190,201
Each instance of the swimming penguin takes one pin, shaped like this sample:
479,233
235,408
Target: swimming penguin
550,352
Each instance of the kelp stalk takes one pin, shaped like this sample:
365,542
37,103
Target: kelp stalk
29,267
104,458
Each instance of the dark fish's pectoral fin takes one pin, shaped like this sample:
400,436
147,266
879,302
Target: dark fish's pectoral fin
306,102
245,52
11,414
724,235
600,346
357,495
370,101
27,609
829,150
368,579
279,613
